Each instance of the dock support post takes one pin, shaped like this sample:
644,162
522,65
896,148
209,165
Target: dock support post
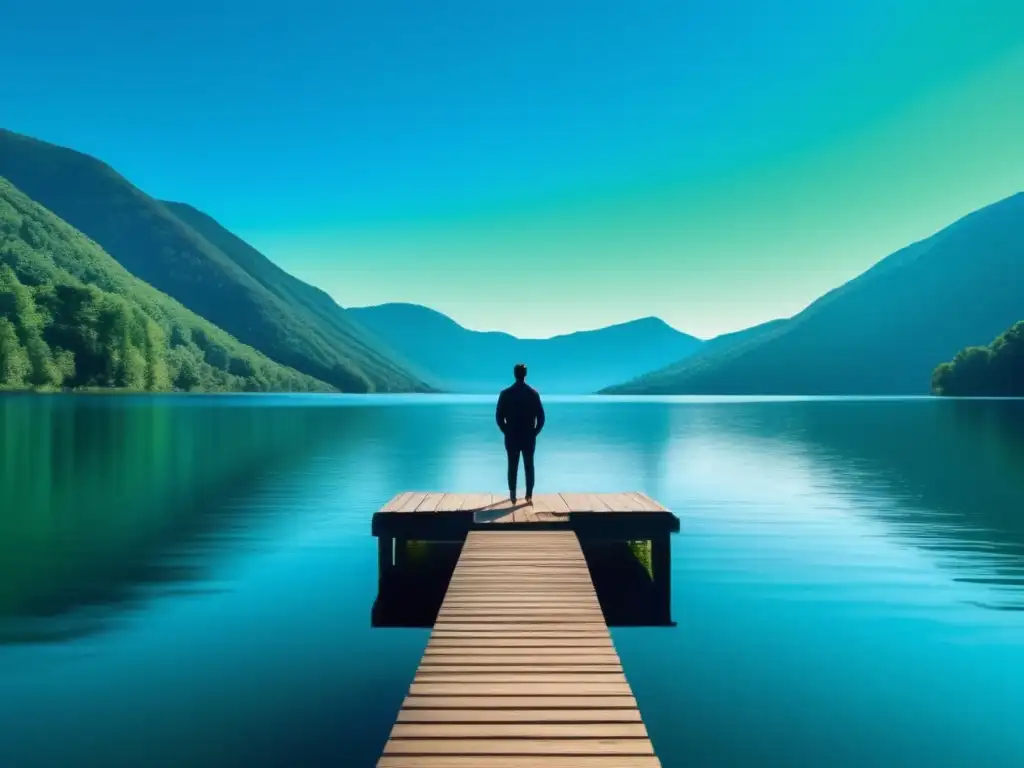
661,572
401,553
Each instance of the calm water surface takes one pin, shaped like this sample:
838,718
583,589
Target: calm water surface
188,581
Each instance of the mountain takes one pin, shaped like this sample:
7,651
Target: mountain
712,350
883,332
461,360
993,371
321,311
188,256
72,316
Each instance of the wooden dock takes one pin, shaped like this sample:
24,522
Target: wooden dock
520,669
435,516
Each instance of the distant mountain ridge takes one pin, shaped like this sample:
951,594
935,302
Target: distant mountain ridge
885,331
458,359
189,256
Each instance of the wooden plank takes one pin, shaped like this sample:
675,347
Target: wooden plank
611,680
526,703
541,614
447,730
624,502
543,505
650,504
538,600
526,586
430,502
523,595
494,516
537,689
542,511
540,656
549,630
495,572
535,609
413,500
472,502
553,502
520,666
540,504
500,568
548,560
526,590
525,513
497,569
459,643
519,716
576,502
547,615
538,747
524,558
530,579
484,608
396,501
428,670
515,761
450,502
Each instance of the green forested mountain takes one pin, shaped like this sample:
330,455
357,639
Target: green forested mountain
71,316
996,370
463,360
240,291
883,332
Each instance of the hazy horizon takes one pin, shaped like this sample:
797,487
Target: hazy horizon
539,168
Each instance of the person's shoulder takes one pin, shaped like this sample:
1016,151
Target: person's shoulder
533,391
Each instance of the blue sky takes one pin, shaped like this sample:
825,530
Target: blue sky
544,166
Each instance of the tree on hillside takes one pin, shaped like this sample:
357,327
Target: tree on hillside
71,317
993,371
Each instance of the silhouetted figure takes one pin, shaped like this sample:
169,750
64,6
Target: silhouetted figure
520,417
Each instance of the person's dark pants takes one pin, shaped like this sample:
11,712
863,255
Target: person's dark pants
513,448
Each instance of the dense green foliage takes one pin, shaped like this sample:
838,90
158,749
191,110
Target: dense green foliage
191,258
463,360
993,371
883,332
71,316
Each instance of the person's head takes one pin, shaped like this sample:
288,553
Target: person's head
519,372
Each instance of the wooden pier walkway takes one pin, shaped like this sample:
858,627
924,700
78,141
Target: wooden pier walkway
430,516
520,669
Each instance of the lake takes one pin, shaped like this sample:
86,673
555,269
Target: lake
188,580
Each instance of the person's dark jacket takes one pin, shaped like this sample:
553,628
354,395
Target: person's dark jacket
519,414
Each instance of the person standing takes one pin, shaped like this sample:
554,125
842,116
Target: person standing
520,417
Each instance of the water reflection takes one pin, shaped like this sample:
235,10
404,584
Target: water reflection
105,497
943,476
204,571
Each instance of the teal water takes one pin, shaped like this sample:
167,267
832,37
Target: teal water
188,581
